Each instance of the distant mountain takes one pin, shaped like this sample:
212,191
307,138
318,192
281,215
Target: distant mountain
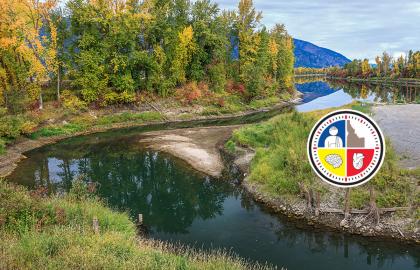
310,55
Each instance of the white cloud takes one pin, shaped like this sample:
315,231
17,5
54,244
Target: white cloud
357,29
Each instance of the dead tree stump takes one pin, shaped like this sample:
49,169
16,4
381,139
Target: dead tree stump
95,225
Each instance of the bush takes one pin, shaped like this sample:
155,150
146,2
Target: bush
217,77
72,102
230,146
113,98
12,126
189,93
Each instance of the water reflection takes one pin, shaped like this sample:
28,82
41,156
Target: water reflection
168,194
322,93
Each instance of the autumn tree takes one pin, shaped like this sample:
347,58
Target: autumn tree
386,61
28,56
183,54
378,68
285,56
247,20
365,66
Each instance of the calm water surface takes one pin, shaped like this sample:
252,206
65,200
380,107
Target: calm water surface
183,206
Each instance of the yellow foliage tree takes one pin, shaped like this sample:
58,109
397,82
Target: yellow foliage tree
27,57
183,54
366,68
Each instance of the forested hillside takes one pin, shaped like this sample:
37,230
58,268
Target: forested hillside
312,56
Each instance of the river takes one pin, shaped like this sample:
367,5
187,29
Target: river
183,206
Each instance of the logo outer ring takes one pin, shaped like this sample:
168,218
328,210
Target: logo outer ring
364,179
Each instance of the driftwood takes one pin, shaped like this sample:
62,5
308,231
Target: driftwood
364,211
156,109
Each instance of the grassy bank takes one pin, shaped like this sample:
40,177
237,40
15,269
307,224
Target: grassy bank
38,232
280,164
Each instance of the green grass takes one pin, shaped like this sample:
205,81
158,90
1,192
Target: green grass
129,117
39,232
280,160
54,130
281,163
83,123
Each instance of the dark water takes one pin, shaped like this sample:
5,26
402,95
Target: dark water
181,205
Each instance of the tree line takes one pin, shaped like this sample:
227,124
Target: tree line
385,66
111,51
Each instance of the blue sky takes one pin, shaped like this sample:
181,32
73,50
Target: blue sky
355,28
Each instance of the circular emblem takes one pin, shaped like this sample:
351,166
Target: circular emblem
346,148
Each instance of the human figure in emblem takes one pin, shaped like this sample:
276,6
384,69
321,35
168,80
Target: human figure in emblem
333,141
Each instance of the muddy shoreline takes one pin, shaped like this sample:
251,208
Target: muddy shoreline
16,151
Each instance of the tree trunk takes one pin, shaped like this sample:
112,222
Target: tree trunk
58,84
41,102
373,208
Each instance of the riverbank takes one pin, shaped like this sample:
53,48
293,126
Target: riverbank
280,178
77,231
57,131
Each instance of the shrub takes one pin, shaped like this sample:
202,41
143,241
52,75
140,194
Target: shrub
124,83
230,146
72,102
188,93
217,77
12,126
113,98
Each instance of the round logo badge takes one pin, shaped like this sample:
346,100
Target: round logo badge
346,148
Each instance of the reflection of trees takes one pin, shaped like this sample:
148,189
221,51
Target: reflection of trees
378,254
380,93
169,195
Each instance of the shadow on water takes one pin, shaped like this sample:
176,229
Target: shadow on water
181,205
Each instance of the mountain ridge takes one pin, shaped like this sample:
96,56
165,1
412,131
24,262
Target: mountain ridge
310,55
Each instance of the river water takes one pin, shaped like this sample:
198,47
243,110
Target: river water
180,205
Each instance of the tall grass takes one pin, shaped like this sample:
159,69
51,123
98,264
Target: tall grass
39,232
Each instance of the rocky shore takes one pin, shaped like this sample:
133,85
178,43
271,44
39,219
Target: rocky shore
391,225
